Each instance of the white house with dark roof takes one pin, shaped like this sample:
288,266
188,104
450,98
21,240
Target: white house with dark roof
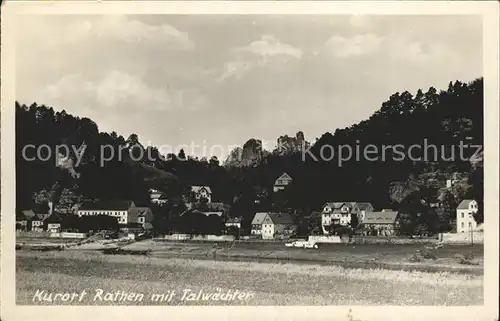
270,225
383,223
201,192
257,223
465,216
38,221
282,182
341,213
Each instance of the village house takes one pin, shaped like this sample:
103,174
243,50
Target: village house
157,197
209,207
38,222
465,216
204,212
202,193
145,217
383,223
282,182
53,223
24,219
256,225
272,225
340,213
234,222
124,211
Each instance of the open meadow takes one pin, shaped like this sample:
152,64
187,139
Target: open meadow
269,273
386,256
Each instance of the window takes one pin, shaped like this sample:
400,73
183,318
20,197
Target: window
462,224
462,215
470,224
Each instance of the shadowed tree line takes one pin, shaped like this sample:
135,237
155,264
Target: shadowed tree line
444,118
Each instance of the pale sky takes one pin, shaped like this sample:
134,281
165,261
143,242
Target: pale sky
221,80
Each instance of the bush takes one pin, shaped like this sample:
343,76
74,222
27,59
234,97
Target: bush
469,256
427,254
465,259
415,258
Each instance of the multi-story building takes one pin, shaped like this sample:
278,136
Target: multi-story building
282,182
465,216
340,213
202,192
383,223
124,211
271,225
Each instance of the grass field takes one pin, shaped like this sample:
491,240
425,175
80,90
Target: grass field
267,283
361,256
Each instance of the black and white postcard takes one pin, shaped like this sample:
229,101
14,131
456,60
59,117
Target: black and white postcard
243,160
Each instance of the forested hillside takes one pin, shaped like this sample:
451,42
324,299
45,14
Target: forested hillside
444,118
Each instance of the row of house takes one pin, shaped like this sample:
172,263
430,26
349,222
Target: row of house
126,212
386,221
373,222
199,192
376,223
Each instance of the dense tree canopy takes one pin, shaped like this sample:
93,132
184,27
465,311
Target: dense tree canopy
109,171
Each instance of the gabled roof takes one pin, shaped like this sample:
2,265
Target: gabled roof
54,217
284,176
29,213
41,217
364,205
20,215
464,205
196,189
361,205
335,205
213,213
141,211
106,206
234,220
259,218
387,217
281,218
206,213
